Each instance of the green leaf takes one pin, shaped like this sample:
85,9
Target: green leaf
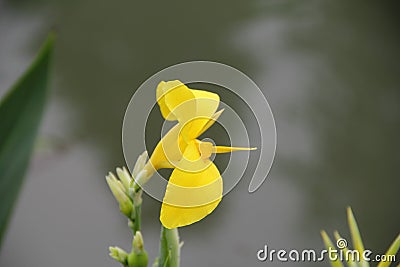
356,236
329,245
20,113
350,261
391,252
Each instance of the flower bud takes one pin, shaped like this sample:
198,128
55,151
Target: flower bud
118,190
119,255
141,178
138,256
137,243
141,161
125,178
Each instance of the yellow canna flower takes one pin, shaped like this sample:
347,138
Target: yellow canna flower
194,189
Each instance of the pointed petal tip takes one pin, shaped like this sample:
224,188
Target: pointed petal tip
219,112
228,149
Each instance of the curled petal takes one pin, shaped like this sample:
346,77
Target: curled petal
169,150
176,101
206,105
193,109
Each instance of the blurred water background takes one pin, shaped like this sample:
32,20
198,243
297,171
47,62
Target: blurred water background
330,70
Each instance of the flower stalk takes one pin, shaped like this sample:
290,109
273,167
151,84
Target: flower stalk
169,248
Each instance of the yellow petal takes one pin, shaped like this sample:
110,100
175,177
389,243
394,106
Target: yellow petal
176,101
168,151
160,96
206,105
174,217
191,195
228,149
194,109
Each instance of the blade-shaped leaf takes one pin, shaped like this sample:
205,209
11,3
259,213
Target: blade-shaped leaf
350,261
391,252
329,245
356,236
20,113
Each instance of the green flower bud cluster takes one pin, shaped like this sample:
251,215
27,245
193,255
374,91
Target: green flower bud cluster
128,194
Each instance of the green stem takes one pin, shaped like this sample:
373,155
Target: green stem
138,219
137,210
169,248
